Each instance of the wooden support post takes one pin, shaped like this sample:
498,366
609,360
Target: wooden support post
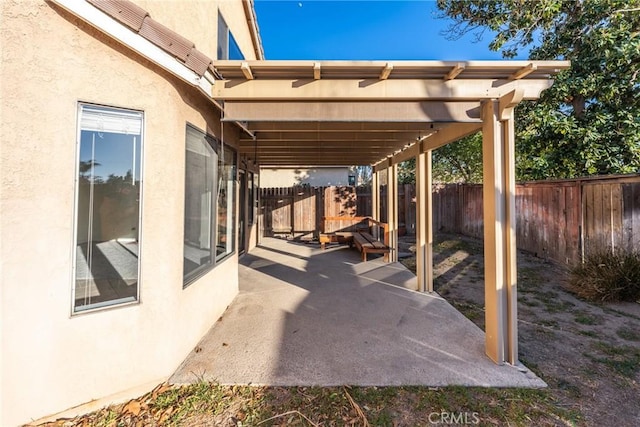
392,209
406,220
501,336
511,251
375,195
424,222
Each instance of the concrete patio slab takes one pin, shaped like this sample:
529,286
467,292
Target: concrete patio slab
308,317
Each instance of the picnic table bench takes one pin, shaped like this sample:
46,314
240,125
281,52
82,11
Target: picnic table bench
356,231
367,244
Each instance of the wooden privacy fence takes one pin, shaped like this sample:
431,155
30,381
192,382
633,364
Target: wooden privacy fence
556,220
299,210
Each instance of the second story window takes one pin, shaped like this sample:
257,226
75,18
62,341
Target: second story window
227,46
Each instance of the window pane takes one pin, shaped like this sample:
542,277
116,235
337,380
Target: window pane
256,192
228,47
251,198
201,164
223,38
108,207
234,49
226,203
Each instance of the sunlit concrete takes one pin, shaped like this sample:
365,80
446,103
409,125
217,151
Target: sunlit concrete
310,317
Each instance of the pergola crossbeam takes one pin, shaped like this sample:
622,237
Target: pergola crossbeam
304,137
327,145
329,127
380,112
389,90
435,140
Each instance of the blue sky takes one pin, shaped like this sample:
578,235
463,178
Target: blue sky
362,30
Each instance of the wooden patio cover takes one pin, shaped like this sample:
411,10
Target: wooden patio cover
301,113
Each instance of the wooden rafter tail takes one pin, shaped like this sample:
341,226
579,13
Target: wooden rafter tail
386,71
316,71
246,70
523,72
455,71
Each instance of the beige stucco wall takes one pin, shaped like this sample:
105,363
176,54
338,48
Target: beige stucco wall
51,360
197,20
315,177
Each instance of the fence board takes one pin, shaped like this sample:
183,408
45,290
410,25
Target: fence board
631,215
616,217
572,232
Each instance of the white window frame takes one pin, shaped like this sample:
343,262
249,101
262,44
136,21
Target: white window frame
107,305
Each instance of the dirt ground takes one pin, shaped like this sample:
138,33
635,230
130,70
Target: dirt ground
589,354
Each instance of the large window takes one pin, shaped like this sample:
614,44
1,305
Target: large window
209,221
108,194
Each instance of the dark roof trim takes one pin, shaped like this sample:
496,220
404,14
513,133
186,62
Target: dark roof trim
138,20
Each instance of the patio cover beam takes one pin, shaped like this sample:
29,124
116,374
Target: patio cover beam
389,90
300,162
322,146
443,136
303,137
336,154
338,159
329,111
449,134
329,127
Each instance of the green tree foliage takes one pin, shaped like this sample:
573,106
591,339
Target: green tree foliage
589,122
407,172
460,161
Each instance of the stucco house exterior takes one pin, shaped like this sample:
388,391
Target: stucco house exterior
118,253
132,139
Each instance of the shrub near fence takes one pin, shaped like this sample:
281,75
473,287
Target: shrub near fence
556,220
